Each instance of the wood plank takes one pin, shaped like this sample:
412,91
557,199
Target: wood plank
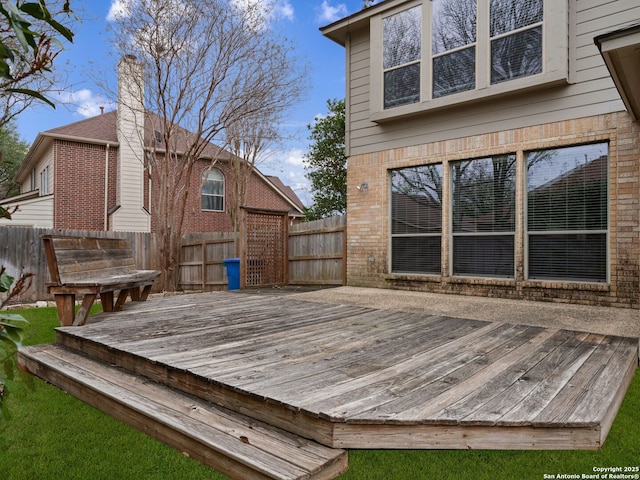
235,444
362,378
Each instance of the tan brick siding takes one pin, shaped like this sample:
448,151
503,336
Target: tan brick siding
368,241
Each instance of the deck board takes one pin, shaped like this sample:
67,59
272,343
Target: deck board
373,378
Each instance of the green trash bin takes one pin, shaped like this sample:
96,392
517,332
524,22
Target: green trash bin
233,273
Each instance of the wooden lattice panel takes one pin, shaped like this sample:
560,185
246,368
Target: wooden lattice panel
265,249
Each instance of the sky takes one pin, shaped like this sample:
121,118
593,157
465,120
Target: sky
89,60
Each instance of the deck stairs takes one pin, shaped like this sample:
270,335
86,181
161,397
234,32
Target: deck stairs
231,443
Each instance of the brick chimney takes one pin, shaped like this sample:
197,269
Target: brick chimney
131,216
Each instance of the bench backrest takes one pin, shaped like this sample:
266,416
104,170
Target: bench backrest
74,259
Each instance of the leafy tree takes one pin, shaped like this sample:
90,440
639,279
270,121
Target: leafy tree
326,163
29,44
215,68
12,151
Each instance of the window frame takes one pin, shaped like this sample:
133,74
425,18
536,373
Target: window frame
438,232
205,180
555,61
511,234
567,232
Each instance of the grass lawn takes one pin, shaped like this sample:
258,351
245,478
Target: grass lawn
51,435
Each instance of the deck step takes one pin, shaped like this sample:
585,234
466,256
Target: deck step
234,444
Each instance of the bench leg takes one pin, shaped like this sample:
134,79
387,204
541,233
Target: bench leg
83,312
106,298
122,297
66,304
140,294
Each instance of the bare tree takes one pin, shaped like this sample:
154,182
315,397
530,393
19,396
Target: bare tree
215,72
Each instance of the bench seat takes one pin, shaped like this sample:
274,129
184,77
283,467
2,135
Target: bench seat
91,266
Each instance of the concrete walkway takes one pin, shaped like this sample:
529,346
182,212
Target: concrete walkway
609,321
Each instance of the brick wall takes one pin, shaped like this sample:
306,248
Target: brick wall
368,213
79,185
259,195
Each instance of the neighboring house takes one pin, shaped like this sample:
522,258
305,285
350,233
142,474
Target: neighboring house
89,176
493,148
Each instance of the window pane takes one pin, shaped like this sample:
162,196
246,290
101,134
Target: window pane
416,200
416,255
576,257
567,192
484,255
401,37
416,214
484,194
509,15
453,24
402,86
567,188
455,72
517,55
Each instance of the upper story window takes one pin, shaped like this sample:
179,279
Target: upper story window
453,40
436,53
516,38
401,57
213,190
44,181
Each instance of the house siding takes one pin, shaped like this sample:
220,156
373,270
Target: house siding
591,93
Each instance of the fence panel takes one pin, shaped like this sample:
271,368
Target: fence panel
317,252
201,258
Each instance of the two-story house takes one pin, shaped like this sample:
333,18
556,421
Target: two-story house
493,148
92,175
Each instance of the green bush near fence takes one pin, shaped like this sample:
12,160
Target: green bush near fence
52,436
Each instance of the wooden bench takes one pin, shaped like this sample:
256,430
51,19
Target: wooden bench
91,266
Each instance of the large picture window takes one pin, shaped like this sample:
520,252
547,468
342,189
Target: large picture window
402,46
567,218
416,219
213,190
483,216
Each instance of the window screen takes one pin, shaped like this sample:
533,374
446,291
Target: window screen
516,38
483,216
567,213
453,35
416,219
401,57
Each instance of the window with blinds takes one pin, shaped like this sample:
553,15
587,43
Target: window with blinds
483,216
416,219
516,38
453,40
567,213
402,39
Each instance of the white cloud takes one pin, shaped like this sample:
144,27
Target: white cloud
118,9
295,157
329,13
84,102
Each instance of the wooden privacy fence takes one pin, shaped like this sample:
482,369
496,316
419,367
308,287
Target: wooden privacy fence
318,252
201,258
21,251
316,255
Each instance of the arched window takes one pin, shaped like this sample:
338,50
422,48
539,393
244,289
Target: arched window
213,190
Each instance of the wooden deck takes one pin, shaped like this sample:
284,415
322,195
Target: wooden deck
353,377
